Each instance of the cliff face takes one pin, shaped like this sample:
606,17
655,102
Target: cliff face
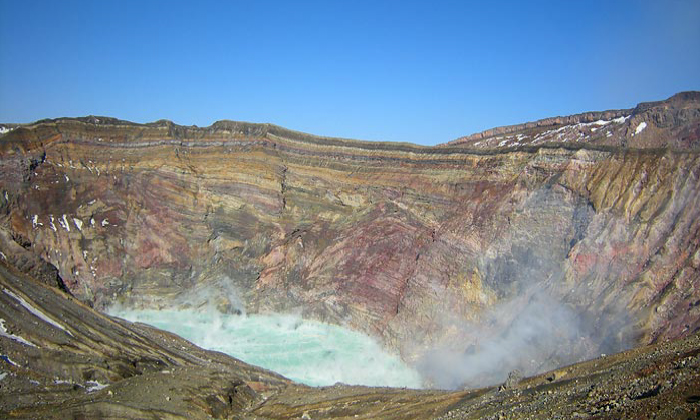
592,219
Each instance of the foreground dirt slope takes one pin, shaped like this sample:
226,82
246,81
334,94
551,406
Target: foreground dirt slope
61,359
58,354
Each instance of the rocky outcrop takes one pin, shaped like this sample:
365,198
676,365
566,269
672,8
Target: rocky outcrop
425,247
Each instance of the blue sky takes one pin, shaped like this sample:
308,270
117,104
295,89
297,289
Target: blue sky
421,72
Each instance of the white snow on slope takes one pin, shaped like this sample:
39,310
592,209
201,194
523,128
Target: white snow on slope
642,125
95,386
7,358
36,312
4,333
64,222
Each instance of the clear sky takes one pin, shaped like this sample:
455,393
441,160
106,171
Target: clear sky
417,71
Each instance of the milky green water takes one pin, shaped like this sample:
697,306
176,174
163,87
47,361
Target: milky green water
306,351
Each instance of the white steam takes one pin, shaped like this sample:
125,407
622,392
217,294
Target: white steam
532,333
218,296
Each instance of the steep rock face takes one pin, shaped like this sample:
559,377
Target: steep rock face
423,247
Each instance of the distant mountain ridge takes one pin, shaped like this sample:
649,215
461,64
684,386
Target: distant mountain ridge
672,113
678,114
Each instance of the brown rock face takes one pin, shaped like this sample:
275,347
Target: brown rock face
581,240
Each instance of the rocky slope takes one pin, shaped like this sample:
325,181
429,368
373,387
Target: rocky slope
61,359
563,239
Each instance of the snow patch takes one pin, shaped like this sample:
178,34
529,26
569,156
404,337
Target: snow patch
620,120
105,222
8,360
92,222
51,225
34,311
95,386
642,125
36,222
64,223
66,176
62,382
78,224
4,333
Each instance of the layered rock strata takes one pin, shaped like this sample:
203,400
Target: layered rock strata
590,218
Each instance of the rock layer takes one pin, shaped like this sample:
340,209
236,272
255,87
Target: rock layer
594,218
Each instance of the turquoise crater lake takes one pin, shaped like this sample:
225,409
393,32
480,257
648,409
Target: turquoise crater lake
310,352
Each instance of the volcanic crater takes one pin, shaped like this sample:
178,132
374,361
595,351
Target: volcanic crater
544,269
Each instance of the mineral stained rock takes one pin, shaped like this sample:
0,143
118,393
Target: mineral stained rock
587,223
